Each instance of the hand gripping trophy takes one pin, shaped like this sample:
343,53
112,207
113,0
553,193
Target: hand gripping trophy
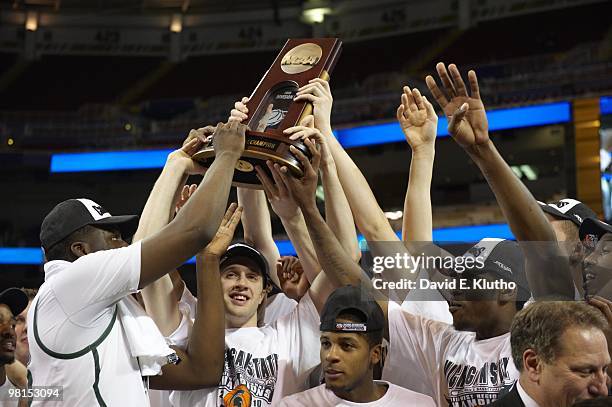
272,109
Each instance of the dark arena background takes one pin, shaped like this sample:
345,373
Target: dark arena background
93,94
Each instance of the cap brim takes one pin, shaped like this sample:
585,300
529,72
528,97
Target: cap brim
592,226
16,300
244,251
127,224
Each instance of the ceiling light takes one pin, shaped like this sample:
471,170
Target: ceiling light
31,21
176,24
314,11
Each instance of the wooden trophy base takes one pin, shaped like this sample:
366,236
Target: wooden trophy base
260,147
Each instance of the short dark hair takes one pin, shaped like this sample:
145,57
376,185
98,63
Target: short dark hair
61,250
353,315
540,325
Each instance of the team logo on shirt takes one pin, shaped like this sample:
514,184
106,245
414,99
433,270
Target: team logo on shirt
476,385
248,381
239,397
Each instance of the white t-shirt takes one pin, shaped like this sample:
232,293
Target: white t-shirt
428,304
78,342
322,397
434,310
262,364
6,400
454,368
277,306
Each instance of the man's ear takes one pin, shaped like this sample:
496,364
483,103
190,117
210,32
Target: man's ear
376,354
532,365
79,249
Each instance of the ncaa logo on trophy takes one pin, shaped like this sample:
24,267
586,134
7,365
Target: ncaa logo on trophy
272,109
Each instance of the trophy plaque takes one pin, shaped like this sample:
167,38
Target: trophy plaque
272,109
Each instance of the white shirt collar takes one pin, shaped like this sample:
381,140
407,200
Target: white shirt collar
527,400
53,267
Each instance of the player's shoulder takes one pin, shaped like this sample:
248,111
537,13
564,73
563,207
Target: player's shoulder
310,397
402,394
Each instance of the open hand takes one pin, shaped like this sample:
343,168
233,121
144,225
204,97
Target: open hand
417,118
467,119
219,244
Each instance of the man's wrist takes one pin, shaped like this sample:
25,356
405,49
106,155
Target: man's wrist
326,129
426,151
228,155
309,209
293,219
328,165
178,165
208,257
480,151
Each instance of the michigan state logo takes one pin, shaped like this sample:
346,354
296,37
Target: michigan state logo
239,397
476,251
98,209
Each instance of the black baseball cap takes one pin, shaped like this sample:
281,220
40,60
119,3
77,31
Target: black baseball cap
239,251
15,299
503,258
570,209
351,298
591,230
72,214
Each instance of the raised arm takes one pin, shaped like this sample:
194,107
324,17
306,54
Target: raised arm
369,217
469,127
256,221
418,121
158,296
338,212
202,363
339,268
257,225
198,220
292,219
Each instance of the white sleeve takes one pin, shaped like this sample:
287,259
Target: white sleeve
96,281
299,333
428,304
180,336
415,348
430,309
